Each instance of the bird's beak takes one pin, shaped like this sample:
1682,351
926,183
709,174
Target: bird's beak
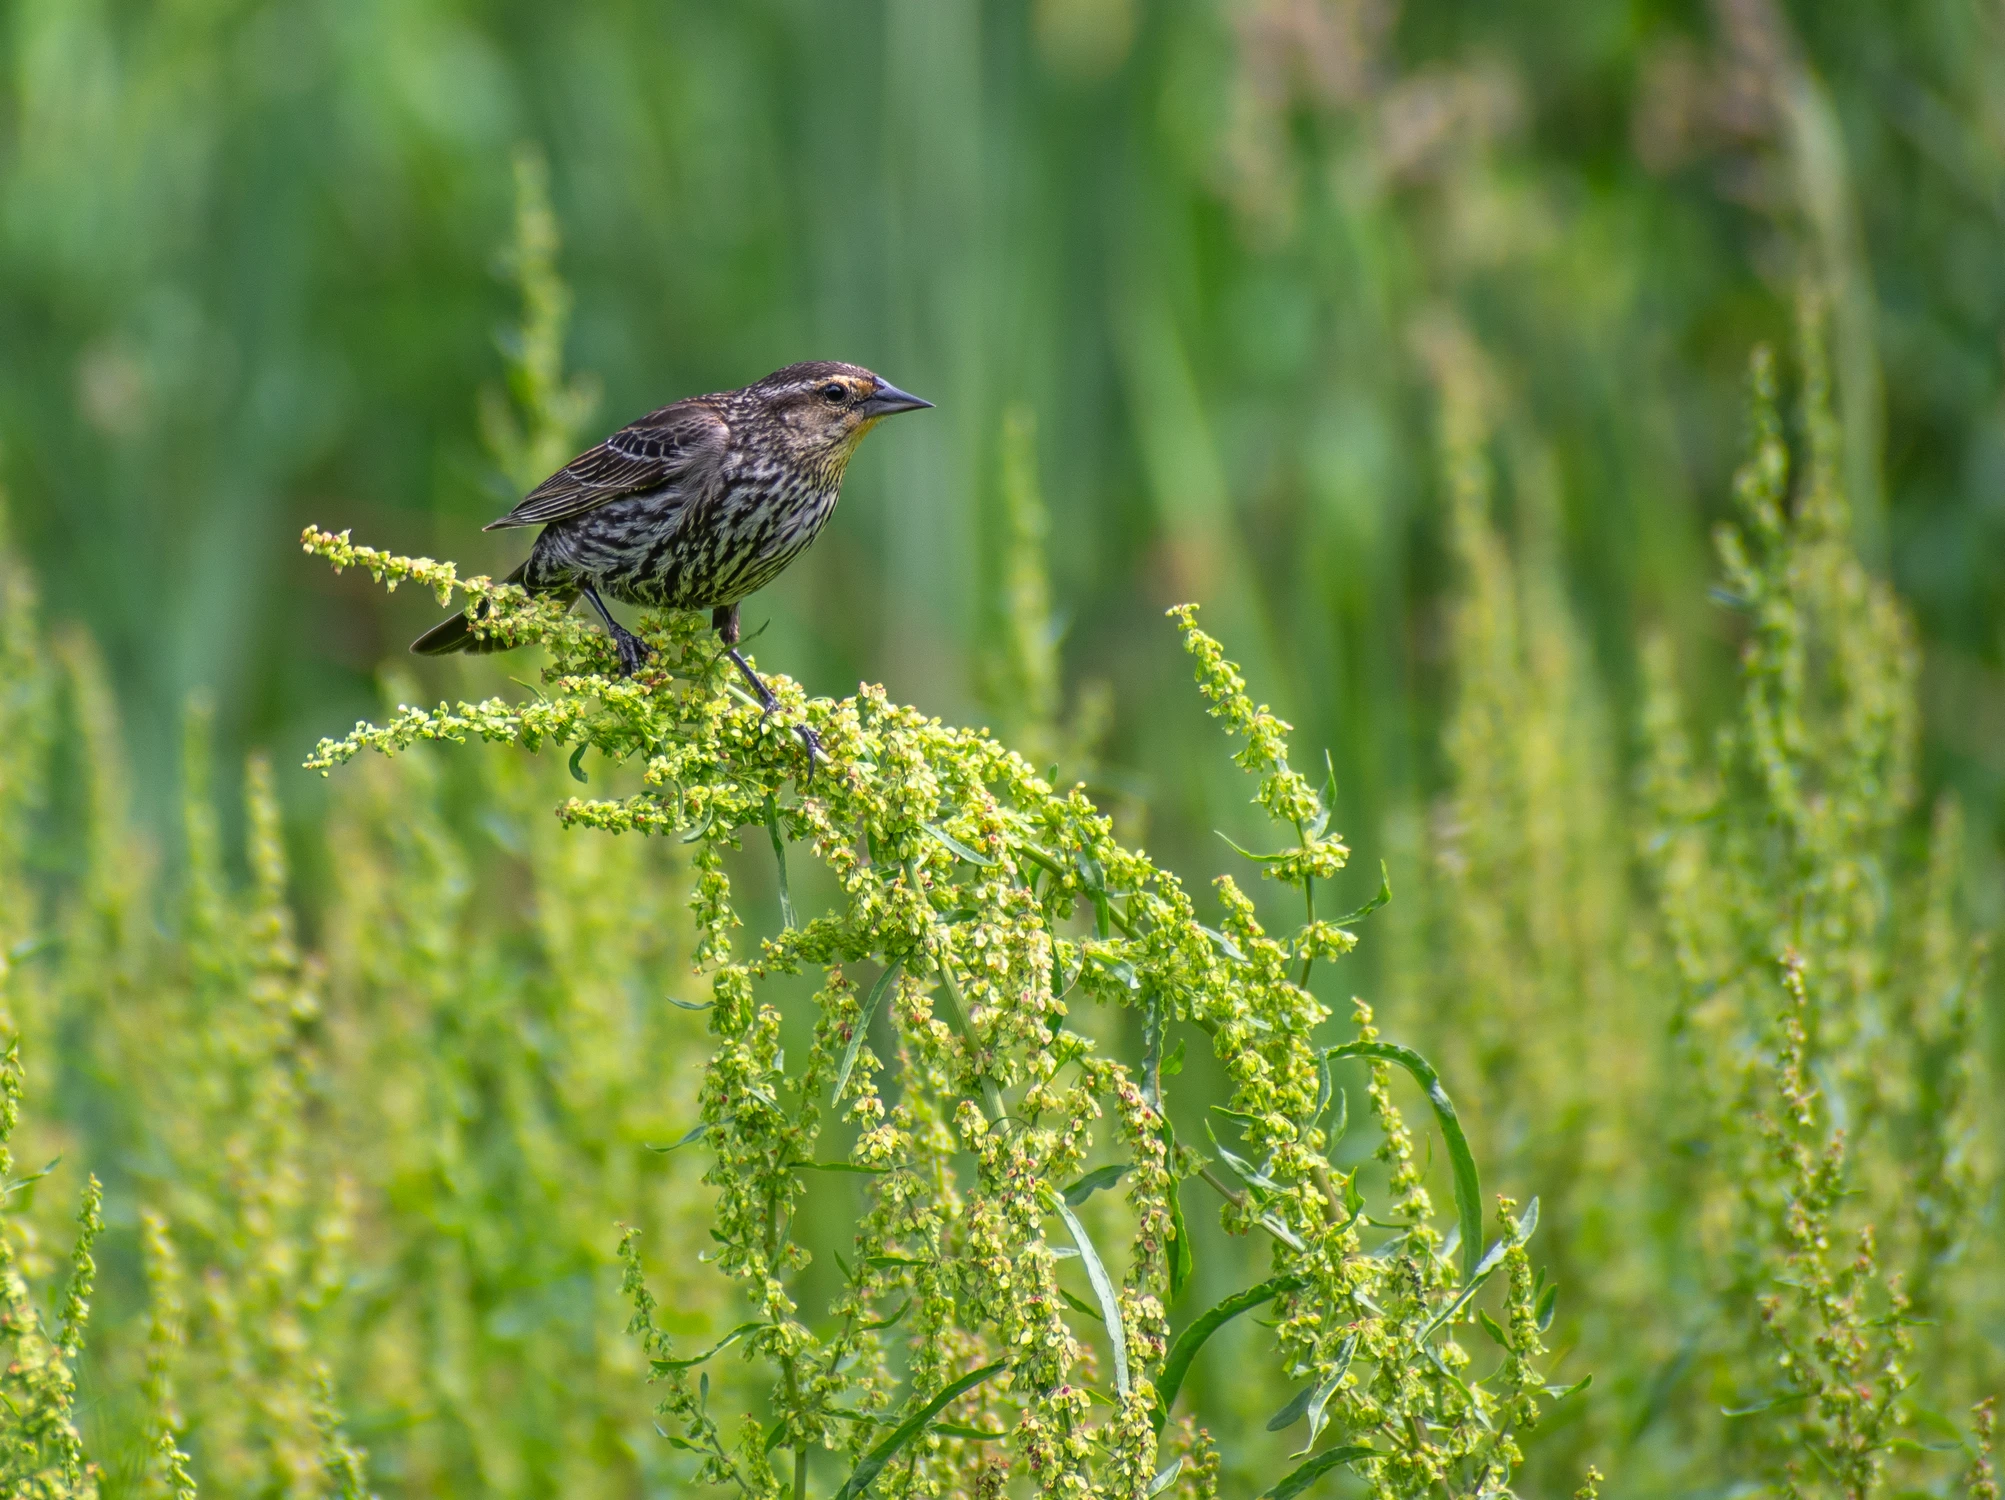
888,400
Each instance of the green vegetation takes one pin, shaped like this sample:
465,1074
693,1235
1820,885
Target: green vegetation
905,1129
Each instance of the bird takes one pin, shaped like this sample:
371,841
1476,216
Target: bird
694,506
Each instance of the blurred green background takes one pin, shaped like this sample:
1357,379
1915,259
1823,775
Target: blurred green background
248,279
1215,277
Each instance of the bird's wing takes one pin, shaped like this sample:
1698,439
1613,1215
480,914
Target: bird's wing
679,445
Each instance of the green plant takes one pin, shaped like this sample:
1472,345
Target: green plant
975,897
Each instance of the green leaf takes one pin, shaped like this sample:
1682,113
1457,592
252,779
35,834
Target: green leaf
780,859
1080,1304
1319,1402
1103,1288
668,1366
1095,1180
1224,944
841,1166
890,1322
1182,1261
1185,1349
18,1183
578,771
1300,1479
1240,1117
1251,1174
863,1019
1164,1480
972,1434
1384,895
895,1260
688,1004
874,1461
694,1133
709,820
1528,1221
1561,1392
1259,859
1290,1414
956,848
1117,968
1761,1406
1492,1328
1485,1269
1328,808
1544,1310
1468,1188
1174,1063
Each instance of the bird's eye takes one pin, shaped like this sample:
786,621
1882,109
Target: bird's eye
835,393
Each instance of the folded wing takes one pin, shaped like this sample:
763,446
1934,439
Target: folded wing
680,445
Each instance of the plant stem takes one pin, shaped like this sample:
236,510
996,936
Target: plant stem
992,1098
1309,899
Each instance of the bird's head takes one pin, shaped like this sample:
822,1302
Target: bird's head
821,410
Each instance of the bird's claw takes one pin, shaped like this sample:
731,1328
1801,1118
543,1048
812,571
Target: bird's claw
812,743
632,650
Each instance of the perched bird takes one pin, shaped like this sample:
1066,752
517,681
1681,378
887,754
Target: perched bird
694,506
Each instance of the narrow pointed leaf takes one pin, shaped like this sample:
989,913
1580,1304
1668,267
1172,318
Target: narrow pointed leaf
1300,1479
956,848
874,1461
666,1366
780,860
1103,1288
890,1322
863,1019
1384,895
1081,1305
1319,1403
577,770
1191,1340
1290,1414
1165,1479
1468,1187
1095,1180
1182,1261
694,1133
1259,859
1223,943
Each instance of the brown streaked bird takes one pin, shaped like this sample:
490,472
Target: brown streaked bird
695,506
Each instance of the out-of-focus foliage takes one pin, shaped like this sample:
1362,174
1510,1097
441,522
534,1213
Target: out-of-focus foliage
1412,340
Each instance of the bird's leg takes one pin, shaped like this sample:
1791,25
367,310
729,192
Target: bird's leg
631,648
724,620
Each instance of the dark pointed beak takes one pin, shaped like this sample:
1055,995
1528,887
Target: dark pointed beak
889,400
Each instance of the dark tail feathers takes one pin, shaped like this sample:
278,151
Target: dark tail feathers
456,633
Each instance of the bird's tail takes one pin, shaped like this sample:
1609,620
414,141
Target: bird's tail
456,633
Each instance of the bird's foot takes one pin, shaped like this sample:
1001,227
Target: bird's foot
811,742
633,651
768,703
